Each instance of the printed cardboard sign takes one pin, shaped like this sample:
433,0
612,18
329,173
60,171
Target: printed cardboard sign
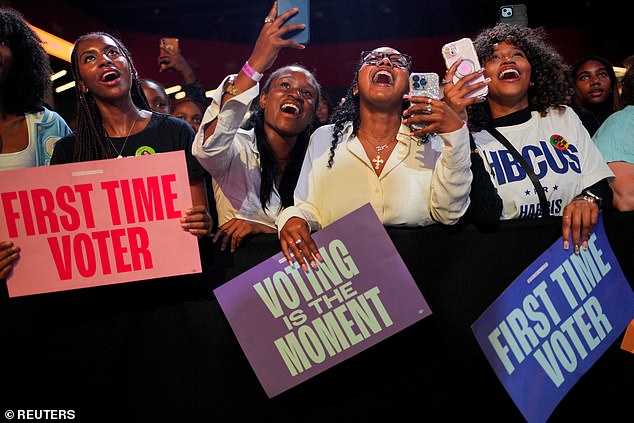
554,322
293,325
97,223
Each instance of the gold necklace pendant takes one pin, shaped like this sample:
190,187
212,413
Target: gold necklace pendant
378,162
120,152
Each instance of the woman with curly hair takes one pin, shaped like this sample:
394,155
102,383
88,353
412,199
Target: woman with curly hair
525,110
254,168
28,130
369,154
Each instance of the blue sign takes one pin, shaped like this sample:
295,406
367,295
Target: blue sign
554,322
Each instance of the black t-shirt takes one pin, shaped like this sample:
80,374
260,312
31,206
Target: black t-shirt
163,133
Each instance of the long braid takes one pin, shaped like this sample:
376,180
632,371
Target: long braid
346,112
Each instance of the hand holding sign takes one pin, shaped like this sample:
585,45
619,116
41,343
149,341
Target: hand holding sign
97,223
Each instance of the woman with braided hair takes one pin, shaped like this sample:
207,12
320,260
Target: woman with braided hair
114,120
369,154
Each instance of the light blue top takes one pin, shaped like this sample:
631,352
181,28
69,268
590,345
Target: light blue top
615,137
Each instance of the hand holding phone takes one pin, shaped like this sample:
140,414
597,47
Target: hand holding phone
301,17
424,84
463,49
514,14
170,44
167,46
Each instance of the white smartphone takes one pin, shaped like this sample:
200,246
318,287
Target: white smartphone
302,16
463,49
424,84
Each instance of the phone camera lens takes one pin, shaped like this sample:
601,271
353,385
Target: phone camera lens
415,78
423,81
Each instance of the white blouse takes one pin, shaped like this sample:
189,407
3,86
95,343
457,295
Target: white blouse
418,186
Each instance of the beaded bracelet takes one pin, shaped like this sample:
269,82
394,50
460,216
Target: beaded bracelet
250,72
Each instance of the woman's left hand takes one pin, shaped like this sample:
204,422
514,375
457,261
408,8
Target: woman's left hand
578,219
197,221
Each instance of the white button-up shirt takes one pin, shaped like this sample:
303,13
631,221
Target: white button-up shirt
419,184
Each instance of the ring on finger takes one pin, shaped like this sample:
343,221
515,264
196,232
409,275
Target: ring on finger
299,241
565,217
428,109
444,82
268,20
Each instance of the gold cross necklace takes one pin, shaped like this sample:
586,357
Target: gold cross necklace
378,160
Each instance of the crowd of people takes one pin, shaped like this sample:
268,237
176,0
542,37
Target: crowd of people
270,154
278,156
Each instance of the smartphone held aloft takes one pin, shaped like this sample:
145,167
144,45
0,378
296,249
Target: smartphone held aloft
171,44
463,49
301,17
424,84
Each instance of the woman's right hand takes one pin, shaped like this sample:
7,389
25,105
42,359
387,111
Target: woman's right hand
296,242
8,255
270,41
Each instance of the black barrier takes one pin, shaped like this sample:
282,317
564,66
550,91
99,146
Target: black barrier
162,350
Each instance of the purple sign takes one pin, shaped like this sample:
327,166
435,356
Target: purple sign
554,322
293,325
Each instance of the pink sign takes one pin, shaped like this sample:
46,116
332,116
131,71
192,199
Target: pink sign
97,223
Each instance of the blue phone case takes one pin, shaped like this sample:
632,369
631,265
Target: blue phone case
302,16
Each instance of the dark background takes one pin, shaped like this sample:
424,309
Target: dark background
218,35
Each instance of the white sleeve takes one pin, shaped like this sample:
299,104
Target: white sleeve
216,152
451,181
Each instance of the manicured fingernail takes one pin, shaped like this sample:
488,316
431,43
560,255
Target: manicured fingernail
576,248
566,245
304,267
584,245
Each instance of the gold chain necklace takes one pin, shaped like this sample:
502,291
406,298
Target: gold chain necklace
120,152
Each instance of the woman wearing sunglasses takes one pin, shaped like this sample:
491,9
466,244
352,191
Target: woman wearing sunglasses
369,154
